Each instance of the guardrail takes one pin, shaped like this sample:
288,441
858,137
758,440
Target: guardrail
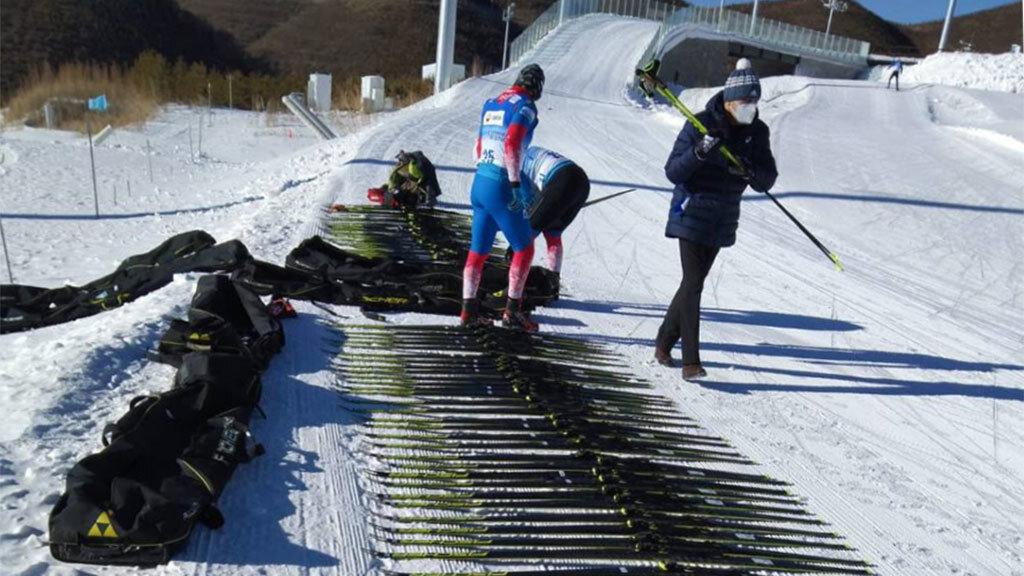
564,10
771,34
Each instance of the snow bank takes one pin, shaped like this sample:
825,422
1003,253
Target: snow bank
1000,72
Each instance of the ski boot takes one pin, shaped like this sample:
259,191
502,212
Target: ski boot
694,372
470,316
516,318
556,285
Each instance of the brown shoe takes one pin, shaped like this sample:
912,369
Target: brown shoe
663,357
693,372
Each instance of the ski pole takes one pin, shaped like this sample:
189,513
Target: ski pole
649,75
608,197
831,255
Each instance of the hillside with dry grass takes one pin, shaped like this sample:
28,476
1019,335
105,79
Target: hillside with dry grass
35,33
349,38
355,37
857,22
986,31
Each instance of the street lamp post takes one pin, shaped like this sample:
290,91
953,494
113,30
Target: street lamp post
945,26
445,45
833,7
507,15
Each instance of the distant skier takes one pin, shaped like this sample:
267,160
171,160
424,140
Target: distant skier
897,69
499,200
559,190
705,208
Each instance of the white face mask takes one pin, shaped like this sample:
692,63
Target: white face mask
744,113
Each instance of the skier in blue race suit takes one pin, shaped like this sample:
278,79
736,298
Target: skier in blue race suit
506,129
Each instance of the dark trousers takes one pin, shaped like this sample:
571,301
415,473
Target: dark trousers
683,317
894,76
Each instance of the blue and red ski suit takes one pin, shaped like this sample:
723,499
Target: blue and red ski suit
506,129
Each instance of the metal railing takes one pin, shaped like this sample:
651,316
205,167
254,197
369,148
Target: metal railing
565,10
770,34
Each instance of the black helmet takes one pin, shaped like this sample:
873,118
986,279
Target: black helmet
531,78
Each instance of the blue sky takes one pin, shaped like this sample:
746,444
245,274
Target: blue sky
903,11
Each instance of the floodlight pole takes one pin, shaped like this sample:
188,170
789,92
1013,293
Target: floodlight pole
510,11
831,11
445,45
753,17
945,26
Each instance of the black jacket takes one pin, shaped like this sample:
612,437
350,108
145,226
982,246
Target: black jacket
706,201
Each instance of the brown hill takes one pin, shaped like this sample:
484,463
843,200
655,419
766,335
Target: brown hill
35,32
857,22
986,31
355,37
390,37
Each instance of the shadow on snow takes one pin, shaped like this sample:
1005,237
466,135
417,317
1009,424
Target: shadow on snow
262,494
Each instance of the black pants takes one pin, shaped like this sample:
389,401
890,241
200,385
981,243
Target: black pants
894,76
561,199
683,317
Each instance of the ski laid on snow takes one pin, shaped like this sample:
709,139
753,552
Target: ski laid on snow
495,448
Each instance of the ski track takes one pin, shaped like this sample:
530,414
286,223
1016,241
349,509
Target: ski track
890,395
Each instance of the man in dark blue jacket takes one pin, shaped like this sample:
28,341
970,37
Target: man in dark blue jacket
705,209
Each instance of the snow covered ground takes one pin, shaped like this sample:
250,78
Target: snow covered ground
891,395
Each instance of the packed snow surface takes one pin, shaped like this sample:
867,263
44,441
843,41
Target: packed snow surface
891,395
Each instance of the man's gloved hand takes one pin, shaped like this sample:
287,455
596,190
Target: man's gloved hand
707,145
747,170
521,197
